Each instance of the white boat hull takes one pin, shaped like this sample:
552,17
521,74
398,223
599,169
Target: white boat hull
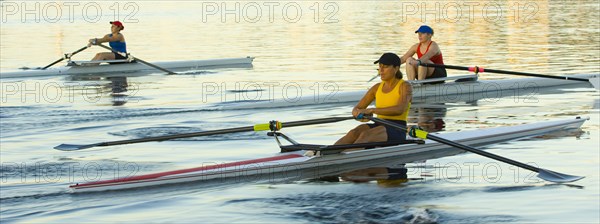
296,165
526,88
129,67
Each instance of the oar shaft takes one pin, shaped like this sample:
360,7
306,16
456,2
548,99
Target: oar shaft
176,136
463,147
53,63
258,127
374,77
223,131
534,75
69,55
315,121
483,153
140,60
480,69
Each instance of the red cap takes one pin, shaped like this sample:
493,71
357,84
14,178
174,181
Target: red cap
117,23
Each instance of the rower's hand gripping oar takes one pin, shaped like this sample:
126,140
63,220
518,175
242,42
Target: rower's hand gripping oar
66,56
544,174
594,81
140,60
273,125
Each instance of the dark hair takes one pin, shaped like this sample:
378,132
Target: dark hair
399,73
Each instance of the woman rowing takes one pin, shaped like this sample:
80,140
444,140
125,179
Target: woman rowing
115,39
427,51
392,96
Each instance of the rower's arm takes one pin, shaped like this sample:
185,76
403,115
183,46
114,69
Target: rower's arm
411,51
434,49
108,38
366,100
405,99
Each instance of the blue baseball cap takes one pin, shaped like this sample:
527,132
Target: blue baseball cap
424,29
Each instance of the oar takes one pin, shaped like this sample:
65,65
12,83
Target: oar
140,60
259,127
481,69
374,77
544,174
65,57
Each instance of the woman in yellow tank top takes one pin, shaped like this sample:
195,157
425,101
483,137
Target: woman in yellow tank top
392,96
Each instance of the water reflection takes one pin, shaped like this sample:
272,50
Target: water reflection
430,118
96,88
385,176
118,88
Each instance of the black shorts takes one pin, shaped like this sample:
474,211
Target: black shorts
438,73
118,56
393,134
397,173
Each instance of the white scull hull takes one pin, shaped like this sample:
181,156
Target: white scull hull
295,164
468,91
129,67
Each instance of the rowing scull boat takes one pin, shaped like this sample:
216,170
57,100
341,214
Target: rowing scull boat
87,68
295,165
464,88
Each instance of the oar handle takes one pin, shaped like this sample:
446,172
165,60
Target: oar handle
140,60
478,69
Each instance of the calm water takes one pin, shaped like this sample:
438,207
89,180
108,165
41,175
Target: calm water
302,48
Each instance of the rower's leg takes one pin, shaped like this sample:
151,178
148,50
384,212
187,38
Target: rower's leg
102,56
411,72
366,175
425,72
376,134
352,135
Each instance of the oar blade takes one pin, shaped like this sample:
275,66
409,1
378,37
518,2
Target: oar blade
72,147
557,177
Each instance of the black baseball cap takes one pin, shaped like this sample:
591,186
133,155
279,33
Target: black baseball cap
389,59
